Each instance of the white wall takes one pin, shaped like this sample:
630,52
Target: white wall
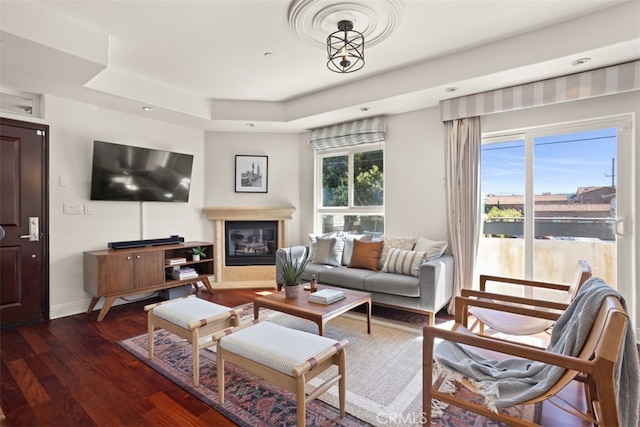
415,187
414,175
73,127
289,159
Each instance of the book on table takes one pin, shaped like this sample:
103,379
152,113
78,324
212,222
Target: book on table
326,296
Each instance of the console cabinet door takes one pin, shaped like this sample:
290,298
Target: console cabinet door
116,273
148,269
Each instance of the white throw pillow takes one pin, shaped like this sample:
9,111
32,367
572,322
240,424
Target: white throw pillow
329,251
434,249
312,242
348,247
404,262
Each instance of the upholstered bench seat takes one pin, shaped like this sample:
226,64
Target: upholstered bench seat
283,356
191,318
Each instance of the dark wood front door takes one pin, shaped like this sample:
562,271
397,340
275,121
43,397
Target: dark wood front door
24,266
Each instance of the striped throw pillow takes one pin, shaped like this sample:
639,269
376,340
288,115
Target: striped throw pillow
404,262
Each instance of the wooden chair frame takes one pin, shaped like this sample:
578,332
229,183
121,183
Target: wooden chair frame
296,383
543,309
594,366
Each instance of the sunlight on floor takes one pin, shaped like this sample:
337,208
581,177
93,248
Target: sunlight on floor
263,293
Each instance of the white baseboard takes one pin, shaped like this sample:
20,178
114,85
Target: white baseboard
79,307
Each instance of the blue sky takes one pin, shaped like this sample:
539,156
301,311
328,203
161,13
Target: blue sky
562,163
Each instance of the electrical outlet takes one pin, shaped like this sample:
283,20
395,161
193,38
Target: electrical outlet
72,208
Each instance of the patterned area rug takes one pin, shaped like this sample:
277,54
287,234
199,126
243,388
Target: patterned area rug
384,377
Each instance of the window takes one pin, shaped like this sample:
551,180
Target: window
350,190
549,198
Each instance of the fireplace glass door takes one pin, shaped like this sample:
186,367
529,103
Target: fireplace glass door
251,242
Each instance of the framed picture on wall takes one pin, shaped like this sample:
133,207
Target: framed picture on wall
251,174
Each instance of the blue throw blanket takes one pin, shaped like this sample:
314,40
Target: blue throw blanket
510,382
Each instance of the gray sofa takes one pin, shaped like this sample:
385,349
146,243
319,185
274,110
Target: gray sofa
426,294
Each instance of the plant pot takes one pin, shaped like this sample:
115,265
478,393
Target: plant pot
196,257
291,292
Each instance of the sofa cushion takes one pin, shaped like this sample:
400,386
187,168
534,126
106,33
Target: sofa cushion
316,269
352,278
404,262
394,284
404,243
329,251
365,255
434,249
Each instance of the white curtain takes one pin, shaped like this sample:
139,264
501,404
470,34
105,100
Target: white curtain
462,156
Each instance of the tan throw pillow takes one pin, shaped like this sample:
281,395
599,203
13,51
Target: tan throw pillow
365,255
329,251
434,249
404,262
404,243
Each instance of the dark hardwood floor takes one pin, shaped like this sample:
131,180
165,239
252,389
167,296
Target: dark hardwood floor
72,372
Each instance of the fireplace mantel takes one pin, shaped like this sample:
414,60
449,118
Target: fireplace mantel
244,276
249,213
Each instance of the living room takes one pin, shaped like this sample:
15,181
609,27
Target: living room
415,187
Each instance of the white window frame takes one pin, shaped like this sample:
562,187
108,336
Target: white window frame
626,201
350,152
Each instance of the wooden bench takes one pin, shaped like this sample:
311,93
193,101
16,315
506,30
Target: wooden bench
191,318
286,357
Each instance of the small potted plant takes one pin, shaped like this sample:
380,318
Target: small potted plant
197,252
292,269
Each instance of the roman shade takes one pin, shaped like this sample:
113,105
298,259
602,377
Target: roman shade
363,131
602,81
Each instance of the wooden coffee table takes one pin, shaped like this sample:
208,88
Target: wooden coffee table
318,313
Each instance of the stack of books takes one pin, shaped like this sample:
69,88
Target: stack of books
184,273
175,261
327,296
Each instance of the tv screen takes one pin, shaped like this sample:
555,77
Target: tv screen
127,173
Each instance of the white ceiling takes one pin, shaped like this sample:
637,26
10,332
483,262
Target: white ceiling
203,64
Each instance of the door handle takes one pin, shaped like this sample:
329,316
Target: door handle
619,227
34,229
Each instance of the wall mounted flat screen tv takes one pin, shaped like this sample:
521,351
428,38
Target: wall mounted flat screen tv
127,173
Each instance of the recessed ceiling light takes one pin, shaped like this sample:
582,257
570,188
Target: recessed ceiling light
148,109
451,89
268,54
250,125
364,108
580,61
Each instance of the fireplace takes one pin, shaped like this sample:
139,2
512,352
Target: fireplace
250,242
251,273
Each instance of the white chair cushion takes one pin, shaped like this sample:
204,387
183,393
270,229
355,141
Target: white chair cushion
510,323
275,346
183,311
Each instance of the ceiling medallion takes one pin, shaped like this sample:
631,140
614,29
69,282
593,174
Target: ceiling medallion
313,20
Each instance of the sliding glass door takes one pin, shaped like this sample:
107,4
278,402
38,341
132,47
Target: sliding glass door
551,196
